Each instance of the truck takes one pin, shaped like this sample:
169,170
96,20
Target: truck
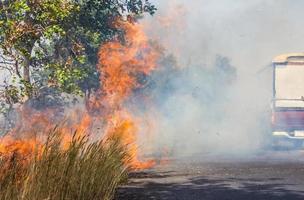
288,99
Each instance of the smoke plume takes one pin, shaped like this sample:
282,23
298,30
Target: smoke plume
213,91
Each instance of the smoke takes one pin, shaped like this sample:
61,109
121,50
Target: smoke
206,103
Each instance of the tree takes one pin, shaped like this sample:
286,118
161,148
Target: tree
54,43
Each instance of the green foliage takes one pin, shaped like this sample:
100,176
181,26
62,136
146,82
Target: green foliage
12,94
66,77
59,39
26,24
81,171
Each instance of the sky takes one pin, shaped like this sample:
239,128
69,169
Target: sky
251,33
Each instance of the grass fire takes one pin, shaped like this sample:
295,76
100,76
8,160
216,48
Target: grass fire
86,151
105,114
151,99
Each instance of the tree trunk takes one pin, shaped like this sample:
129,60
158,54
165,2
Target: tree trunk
26,71
26,77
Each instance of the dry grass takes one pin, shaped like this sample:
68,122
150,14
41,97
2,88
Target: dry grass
83,170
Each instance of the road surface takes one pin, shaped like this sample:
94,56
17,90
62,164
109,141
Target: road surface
268,176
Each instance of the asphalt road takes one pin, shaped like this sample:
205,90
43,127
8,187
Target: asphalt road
266,176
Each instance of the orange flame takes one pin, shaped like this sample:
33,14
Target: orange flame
119,64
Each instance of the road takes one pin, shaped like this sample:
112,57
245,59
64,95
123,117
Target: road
266,176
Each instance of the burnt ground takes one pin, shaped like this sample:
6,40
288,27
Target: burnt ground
268,176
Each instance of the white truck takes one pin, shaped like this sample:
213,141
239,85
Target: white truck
288,98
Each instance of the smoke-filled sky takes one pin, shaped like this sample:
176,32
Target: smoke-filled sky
249,34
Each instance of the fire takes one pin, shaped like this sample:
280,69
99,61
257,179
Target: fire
126,131
106,114
23,147
119,65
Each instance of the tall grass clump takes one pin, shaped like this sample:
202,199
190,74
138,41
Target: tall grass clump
78,171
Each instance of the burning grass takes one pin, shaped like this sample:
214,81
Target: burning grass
81,170
66,167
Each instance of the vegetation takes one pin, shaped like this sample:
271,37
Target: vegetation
54,43
81,171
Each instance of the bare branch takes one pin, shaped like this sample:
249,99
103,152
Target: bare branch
17,69
6,63
10,63
6,58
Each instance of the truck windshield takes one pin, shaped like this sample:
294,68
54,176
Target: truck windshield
289,85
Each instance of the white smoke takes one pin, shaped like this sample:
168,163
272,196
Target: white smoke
236,117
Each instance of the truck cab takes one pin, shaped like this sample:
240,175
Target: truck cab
288,98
